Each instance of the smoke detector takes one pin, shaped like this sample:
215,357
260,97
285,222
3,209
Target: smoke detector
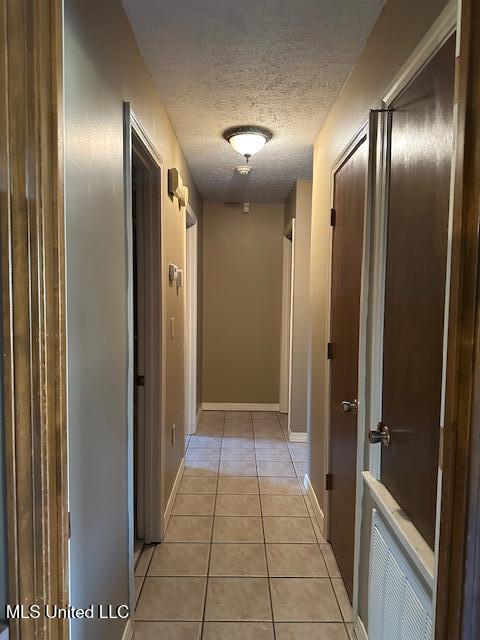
244,169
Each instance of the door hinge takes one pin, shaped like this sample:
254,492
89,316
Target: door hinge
328,481
69,522
333,217
329,350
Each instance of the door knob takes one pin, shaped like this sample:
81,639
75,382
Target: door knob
349,407
380,434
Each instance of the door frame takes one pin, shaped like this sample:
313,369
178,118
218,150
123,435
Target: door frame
291,301
32,239
134,133
361,136
435,38
283,404
458,612
191,320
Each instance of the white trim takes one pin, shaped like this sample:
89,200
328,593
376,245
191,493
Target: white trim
290,337
191,323
439,32
239,406
359,629
363,335
199,415
190,216
317,510
128,631
173,495
414,545
298,436
376,277
285,331
155,464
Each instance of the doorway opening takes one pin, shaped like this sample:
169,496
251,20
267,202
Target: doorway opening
287,320
147,340
191,269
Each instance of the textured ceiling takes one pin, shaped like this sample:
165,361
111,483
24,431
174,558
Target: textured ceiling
275,63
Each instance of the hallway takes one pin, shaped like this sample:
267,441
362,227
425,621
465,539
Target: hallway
242,549
240,329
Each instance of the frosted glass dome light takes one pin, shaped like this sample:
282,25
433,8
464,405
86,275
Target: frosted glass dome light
247,140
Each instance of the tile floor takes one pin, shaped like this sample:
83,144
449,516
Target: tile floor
242,557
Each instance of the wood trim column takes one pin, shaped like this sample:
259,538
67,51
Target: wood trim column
458,593
33,303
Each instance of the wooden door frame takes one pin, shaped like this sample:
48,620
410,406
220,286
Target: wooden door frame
191,321
33,302
135,137
458,584
361,136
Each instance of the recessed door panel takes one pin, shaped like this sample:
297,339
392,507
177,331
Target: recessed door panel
349,203
417,232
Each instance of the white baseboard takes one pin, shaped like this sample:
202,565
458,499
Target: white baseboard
297,436
239,406
128,632
359,629
314,502
199,414
173,495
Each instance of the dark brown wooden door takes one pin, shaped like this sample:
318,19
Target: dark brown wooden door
349,202
421,151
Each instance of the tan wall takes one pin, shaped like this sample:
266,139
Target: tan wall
104,67
299,206
290,205
242,284
399,29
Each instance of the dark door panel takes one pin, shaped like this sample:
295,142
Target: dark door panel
421,151
349,200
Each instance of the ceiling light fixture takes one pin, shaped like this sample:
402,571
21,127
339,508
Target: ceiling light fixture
244,169
247,140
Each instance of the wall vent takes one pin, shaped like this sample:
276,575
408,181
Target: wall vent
399,606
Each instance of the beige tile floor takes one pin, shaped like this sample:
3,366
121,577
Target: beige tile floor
242,558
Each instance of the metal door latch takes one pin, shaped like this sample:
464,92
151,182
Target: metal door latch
380,434
350,407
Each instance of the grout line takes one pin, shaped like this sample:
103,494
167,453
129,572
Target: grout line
242,622
216,495
207,579
338,601
266,558
144,578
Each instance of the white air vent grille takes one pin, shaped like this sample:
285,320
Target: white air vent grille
399,608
